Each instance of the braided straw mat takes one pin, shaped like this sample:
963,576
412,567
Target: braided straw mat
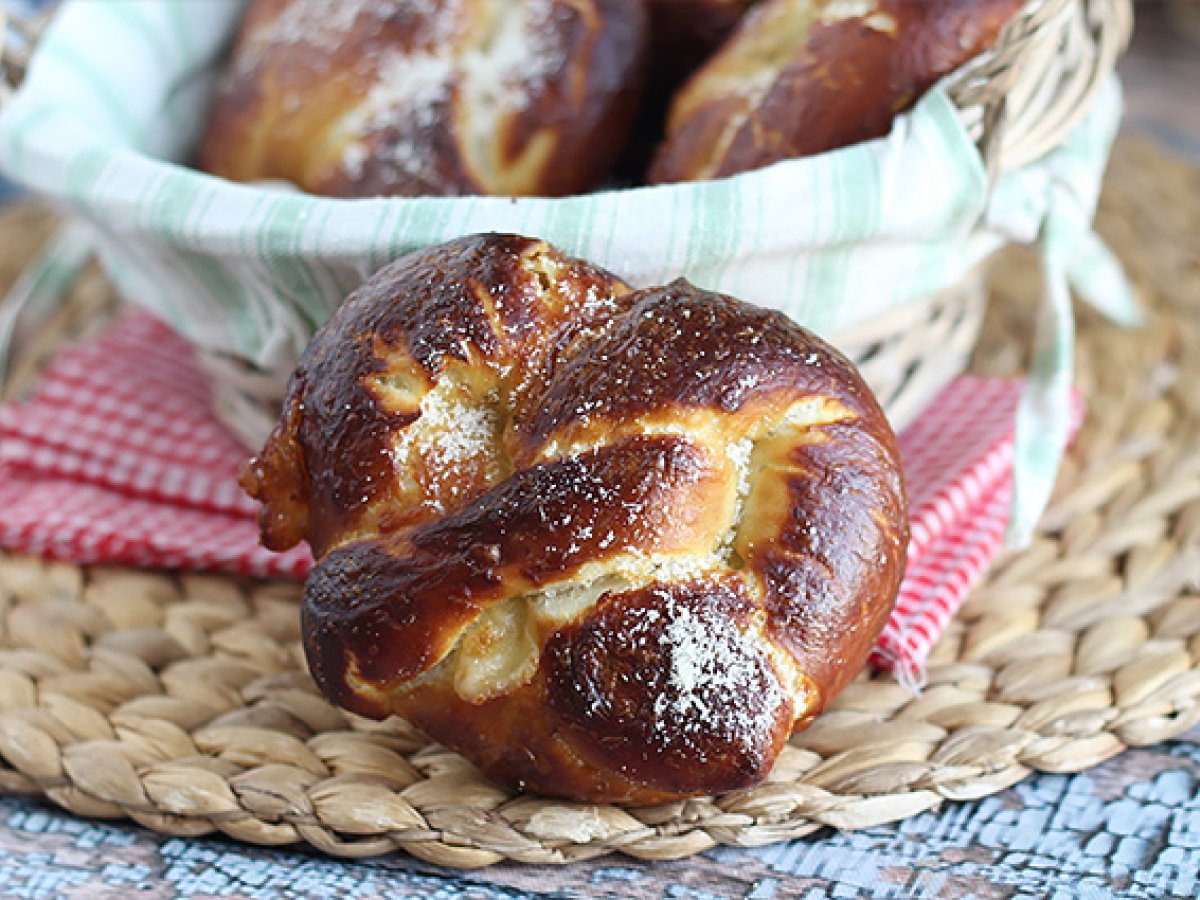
183,703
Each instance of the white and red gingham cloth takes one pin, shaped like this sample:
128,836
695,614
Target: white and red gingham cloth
117,457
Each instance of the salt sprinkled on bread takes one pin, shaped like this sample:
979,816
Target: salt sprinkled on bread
458,430
708,664
418,83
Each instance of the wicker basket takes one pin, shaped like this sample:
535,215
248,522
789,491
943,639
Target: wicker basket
1017,102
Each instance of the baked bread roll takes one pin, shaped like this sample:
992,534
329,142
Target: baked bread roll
437,97
800,77
611,545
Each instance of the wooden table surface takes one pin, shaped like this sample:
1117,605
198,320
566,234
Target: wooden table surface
1128,828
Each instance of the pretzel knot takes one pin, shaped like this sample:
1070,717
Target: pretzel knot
608,544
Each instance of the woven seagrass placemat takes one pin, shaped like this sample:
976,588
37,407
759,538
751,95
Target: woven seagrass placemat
182,702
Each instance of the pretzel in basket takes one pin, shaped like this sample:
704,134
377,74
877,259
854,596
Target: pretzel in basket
444,97
799,77
608,544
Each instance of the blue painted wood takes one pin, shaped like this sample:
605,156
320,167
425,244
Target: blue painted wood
1127,829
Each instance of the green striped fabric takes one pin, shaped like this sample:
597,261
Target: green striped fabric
117,94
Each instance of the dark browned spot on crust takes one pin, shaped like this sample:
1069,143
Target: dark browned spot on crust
665,686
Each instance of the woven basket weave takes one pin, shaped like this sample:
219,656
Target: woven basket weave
1017,102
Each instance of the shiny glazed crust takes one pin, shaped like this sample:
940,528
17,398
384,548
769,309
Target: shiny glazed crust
611,545
438,97
800,77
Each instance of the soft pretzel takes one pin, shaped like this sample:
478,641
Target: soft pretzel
609,544
437,97
800,77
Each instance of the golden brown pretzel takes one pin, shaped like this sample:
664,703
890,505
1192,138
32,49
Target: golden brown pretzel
609,544
438,97
799,77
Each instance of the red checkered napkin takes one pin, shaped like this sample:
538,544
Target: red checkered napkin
958,459
118,458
